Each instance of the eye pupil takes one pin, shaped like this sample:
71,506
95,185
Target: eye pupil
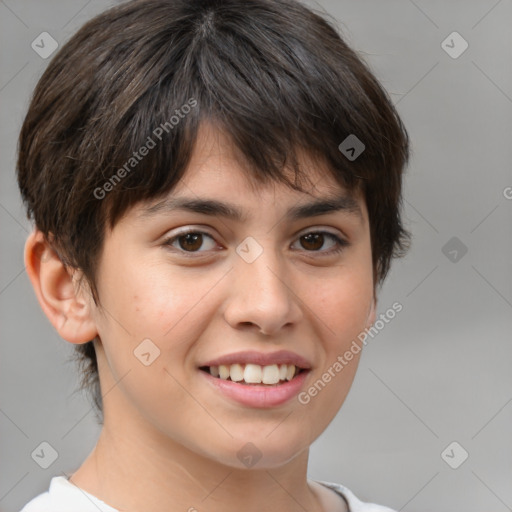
314,237
191,237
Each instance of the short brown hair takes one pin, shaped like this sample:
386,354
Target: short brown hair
272,74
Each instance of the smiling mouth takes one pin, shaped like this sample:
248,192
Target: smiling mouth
254,374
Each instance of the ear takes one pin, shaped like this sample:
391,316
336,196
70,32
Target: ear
372,313
67,308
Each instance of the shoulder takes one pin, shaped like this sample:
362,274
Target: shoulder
354,503
63,496
40,503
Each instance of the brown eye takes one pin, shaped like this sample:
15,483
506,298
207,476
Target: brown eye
315,241
190,242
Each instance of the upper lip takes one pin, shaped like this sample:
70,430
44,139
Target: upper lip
261,358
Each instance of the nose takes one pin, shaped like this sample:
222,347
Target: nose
262,296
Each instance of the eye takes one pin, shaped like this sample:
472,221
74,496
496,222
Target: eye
315,240
189,242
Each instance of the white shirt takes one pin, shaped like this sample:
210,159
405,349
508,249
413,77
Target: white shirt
64,496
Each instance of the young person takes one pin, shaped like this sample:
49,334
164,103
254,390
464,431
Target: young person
216,192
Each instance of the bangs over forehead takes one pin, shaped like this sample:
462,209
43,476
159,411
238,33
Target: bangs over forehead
258,75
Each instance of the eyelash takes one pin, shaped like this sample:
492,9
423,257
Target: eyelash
341,244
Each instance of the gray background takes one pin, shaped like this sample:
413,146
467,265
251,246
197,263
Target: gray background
439,372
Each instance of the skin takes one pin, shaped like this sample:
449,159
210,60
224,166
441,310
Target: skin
169,441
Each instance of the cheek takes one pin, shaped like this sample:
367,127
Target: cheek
155,301
154,310
343,303
175,306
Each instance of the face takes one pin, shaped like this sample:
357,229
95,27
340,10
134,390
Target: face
191,292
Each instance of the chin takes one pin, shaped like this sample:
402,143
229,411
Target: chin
262,452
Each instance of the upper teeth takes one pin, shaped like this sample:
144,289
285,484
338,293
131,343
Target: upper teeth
254,373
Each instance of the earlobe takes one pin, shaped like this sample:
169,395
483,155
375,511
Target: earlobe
68,310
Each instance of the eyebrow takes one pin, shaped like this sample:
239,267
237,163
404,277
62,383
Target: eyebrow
229,211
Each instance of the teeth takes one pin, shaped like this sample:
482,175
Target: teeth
271,374
254,373
223,371
236,372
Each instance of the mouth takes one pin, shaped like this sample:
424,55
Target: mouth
257,379
254,374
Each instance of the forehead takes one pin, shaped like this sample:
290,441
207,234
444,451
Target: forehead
216,156
218,179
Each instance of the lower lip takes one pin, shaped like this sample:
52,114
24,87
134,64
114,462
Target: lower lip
262,396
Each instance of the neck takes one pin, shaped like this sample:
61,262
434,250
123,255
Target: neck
134,472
